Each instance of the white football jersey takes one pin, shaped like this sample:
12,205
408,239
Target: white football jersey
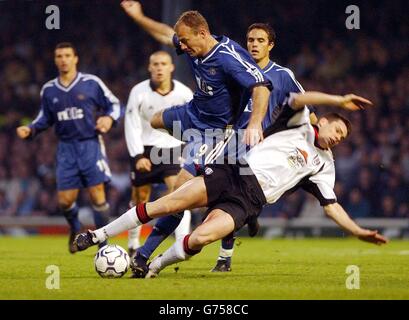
288,159
143,103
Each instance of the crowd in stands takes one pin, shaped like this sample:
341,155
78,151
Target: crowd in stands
372,165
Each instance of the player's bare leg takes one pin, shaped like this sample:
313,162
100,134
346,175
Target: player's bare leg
139,195
66,198
171,182
190,195
97,194
100,206
182,177
217,225
67,204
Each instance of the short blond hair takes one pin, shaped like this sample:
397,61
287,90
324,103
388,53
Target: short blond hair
194,20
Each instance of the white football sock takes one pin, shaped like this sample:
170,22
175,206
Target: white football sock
133,237
128,220
174,254
184,225
225,253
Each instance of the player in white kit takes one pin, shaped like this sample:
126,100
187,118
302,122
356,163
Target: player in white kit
154,154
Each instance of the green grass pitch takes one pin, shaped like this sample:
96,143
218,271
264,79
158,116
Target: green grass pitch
262,269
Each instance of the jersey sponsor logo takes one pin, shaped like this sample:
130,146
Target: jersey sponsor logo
297,158
204,86
72,113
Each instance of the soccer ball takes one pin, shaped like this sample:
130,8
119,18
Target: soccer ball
111,261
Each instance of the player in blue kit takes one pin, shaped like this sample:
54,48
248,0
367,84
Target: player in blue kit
70,102
226,77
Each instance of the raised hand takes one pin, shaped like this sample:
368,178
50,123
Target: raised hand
132,8
353,102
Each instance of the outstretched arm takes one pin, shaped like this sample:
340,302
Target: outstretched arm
349,102
338,214
160,31
254,132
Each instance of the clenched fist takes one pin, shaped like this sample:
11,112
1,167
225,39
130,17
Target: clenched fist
23,132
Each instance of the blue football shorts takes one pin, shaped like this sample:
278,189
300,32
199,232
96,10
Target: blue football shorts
81,164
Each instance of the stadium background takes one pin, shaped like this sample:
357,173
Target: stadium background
312,40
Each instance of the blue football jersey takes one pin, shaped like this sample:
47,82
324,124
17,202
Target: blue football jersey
225,78
74,109
284,82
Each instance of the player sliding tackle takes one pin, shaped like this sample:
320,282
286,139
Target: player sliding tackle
294,155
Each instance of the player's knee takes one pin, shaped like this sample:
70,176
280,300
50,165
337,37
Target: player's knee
157,121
